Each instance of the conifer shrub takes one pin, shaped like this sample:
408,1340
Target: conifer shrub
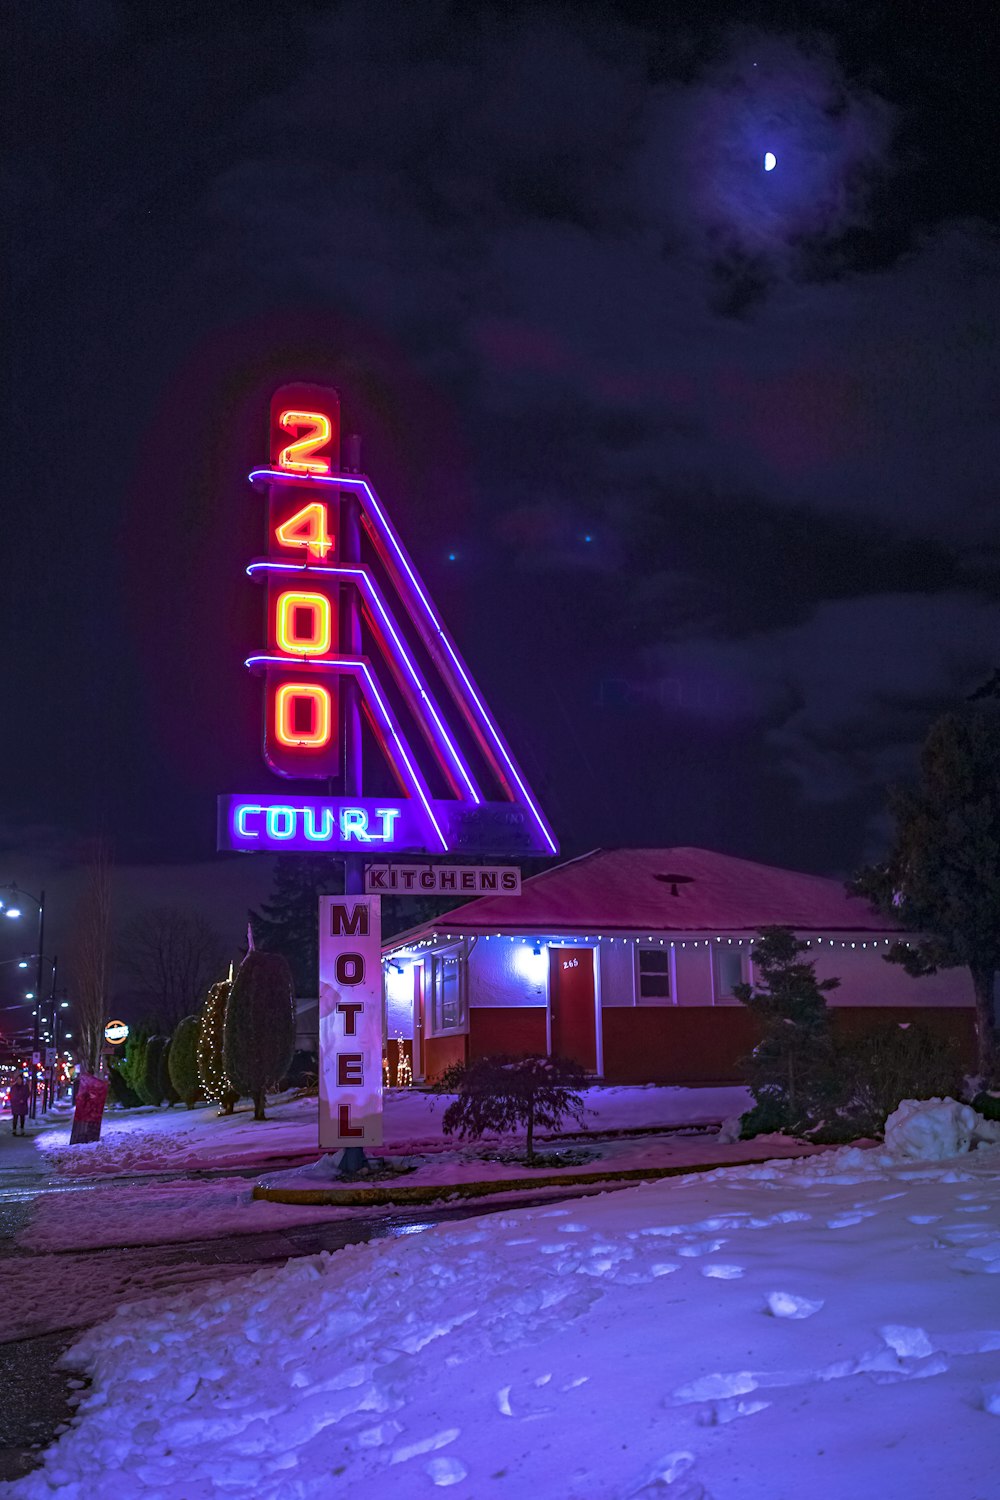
211,1066
167,1090
499,1094
791,1072
133,1064
184,1060
259,1035
150,1088
119,1089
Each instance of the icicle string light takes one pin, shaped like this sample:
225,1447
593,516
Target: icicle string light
574,938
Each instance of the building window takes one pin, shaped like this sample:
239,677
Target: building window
448,991
729,969
654,976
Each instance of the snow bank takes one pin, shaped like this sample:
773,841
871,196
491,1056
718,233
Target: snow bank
824,1326
930,1129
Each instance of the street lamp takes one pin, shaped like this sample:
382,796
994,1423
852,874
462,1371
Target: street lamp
14,912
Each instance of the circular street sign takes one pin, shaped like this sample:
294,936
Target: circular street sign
115,1032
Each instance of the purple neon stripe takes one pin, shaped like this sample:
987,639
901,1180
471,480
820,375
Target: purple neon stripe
389,533
370,676
484,713
360,667
369,588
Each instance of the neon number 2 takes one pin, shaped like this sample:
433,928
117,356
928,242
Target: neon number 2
307,528
295,458
308,636
289,701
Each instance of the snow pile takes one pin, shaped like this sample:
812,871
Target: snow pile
935,1129
824,1326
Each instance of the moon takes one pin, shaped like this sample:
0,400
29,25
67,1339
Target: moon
770,161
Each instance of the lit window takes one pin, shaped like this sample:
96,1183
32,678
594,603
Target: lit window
448,991
654,975
728,970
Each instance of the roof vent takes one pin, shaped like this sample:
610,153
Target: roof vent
674,881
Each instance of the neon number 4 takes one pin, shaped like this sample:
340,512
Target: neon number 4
295,458
307,528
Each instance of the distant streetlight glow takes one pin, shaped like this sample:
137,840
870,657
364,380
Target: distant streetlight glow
770,161
12,911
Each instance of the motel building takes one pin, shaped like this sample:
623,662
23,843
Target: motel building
626,960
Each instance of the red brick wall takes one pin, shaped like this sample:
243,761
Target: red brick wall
703,1044
516,1029
440,1052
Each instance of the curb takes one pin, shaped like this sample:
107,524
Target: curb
435,1193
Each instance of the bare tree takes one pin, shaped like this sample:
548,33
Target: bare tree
90,956
173,956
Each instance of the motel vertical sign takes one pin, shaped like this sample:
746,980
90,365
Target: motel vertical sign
350,1022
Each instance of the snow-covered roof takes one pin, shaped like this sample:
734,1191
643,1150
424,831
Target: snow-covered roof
664,890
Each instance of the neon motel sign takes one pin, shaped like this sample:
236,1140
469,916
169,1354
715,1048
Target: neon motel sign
357,666
348,620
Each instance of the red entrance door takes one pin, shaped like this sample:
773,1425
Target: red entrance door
571,1005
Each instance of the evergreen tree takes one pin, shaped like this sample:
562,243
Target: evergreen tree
150,1087
211,1068
119,1089
499,1094
259,1035
167,1089
791,1070
289,922
942,876
133,1062
184,1060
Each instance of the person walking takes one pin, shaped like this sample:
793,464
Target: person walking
19,1104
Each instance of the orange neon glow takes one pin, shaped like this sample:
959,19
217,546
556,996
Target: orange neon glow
288,715
309,637
308,528
294,457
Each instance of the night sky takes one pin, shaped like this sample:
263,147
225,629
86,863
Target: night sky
698,460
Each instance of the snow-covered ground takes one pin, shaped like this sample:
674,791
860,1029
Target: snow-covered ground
148,1213
162,1140
819,1327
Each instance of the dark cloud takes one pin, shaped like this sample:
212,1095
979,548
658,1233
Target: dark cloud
679,442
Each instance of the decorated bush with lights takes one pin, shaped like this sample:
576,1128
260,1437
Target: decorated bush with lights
215,1081
184,1060
500,1094
259,1035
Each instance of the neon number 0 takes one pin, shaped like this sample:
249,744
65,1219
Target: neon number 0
289,700
295,457
315,639
307,528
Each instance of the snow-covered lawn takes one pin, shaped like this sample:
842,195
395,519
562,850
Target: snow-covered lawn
162,1140
823,1327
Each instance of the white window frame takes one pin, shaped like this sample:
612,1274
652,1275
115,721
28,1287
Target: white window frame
430,1011
668,953
746,969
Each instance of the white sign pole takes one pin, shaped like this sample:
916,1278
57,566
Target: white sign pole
350,1022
